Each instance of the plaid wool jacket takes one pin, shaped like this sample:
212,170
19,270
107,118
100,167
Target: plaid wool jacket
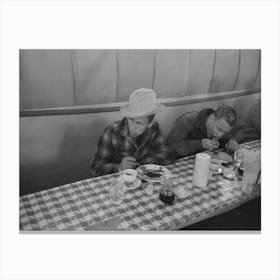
116,143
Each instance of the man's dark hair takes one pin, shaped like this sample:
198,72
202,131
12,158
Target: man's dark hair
227,113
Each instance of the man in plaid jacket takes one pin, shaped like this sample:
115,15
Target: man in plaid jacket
134,140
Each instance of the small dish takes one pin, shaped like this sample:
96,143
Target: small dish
181,192
225,157
136,184
219,155
215,164
152,172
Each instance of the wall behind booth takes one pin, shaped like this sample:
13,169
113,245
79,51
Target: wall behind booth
57,145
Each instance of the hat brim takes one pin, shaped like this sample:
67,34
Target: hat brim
128,114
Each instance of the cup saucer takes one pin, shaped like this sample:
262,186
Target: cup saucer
136,184
182,192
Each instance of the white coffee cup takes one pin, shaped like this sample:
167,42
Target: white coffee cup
129,176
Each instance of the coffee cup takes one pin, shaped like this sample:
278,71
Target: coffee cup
129,176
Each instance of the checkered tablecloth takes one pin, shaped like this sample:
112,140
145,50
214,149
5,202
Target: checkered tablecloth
77,205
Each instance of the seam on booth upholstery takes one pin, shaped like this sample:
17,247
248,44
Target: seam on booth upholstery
213,71
20,79
259,68
154,68
238,70
73,64
118,75
188,52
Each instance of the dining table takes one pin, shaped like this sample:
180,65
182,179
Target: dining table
86,206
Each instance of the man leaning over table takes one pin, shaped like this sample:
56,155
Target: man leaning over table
134,140
250,129
205,130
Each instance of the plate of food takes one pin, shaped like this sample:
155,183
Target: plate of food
152,172
220,155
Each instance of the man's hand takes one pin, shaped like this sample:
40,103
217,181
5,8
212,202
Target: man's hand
127,162
232,145
210,144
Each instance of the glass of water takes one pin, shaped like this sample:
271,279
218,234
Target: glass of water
117,191
238,157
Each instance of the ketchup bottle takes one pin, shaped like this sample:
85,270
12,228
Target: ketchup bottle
166,194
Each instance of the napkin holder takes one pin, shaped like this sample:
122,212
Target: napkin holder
201,170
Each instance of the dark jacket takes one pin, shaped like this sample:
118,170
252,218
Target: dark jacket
189,130
250,129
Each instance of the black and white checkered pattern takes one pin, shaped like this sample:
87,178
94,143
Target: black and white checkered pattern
80,204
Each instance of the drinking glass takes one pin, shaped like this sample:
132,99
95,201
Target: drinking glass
117,191
238,157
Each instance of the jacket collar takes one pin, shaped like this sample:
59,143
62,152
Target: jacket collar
123,127
201,119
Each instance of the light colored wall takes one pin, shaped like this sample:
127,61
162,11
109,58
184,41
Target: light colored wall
46,79
55,150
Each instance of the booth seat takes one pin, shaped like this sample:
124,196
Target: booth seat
57,149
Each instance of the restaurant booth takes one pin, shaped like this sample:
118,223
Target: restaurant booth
68,97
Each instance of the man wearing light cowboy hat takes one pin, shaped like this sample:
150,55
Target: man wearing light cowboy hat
134,140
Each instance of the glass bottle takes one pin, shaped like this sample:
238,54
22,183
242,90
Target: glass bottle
166,194
238,157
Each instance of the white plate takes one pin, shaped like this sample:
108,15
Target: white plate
152,168
136,184
222,156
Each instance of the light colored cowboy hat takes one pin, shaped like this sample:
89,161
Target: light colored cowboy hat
142,103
